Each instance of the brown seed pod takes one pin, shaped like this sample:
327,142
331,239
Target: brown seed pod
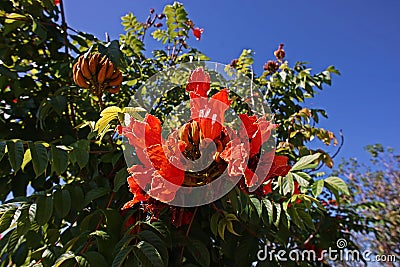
114,90
101,75
84,68
93,63
117,81
280,53
110,69
80,80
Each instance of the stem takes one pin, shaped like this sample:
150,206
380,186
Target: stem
64,27
83,250
187,234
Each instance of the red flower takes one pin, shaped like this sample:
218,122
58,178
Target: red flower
210,114
56,2
267,188
159,159
138,193
199,82
197,33
258,131
161,170
279,167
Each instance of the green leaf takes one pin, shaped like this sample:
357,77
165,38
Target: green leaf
157,242
95,194
221,228
302,178
15,154
100,234
229,226
64,257
59,160
306,218
82,261
278,213
134,112
44,209
80,153
120,179
200,252
270,209
2,149
317,187
338,184
96,259
121,256
214,223
257,206
6,219
39,157
62,202
32,212
288,184
106,116
306,162
27,158
148,254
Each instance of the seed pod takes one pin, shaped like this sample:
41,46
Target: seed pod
110,69
80,80
93,62
102,73
117,81
114,90
280,53
84,67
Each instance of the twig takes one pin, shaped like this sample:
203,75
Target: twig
337,151
64,27
83,250
187,233
341,144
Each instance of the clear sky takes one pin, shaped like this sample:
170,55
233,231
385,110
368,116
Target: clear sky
359,37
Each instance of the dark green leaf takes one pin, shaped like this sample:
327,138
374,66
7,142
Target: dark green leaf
121,256
95,194
96,259
15,154
120,179
62,202
199,252
2,149
148,254
39,157
44,209
59,160
157,242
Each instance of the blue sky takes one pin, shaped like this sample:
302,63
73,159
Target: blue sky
359,37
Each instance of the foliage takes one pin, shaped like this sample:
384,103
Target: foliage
63,175
376,190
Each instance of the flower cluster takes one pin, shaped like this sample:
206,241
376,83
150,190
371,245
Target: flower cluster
162,169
